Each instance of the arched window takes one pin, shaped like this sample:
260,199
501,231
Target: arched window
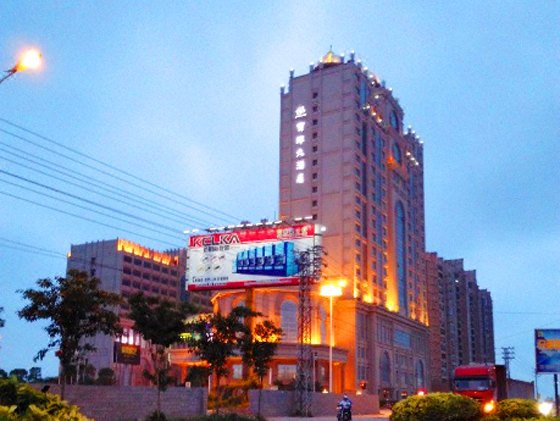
419,374
400,228
385,367
288,321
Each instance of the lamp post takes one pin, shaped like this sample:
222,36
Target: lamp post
30,60
330,290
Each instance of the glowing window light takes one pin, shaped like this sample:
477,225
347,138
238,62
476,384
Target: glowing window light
300,179
300,126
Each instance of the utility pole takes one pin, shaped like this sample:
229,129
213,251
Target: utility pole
310,264
508,354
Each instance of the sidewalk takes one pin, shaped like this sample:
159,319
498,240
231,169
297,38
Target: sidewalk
383,416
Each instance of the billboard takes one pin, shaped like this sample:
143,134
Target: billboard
127,354
547,346
245,258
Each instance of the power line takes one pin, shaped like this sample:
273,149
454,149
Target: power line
91,202
102,186
208,208
43,250
90,210
102,171
88,219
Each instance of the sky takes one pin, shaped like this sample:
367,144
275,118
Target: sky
185,95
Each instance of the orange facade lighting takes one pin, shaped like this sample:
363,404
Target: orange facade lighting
146,253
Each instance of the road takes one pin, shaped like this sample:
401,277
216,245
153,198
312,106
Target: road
374,417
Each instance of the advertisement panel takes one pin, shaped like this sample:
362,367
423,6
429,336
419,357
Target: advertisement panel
127,353
255,257
547,345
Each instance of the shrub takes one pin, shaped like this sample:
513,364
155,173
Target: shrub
156,416
436,406
517,408
29,404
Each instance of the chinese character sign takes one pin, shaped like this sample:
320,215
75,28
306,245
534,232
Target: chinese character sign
547,347
299,141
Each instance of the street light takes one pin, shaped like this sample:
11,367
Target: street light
330,290
30,60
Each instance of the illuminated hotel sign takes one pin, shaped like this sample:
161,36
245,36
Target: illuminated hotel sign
547,347
299,141
253,257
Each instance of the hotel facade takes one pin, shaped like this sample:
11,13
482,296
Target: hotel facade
347,162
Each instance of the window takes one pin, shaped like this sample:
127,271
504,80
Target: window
314,189
138,262
237,371
385,367
315,108
126,270
314,162
314,176
126,281
314,148
315,122
147,265
146,275
288,321
401,255
155,267
164,270
314,203
314,135
127,259
315,95
286,372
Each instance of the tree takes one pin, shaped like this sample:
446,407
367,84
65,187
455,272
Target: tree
258,349
20,374
77,310
160,322
215,338
34,375
3,374
106,377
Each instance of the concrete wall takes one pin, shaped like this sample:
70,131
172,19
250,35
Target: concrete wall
280,403
520,389
112,403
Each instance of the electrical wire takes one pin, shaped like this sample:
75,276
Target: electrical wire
102,186
176,237
40,136
88,219
88,201
117,170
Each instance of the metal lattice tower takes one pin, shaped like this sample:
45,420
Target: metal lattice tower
508,354
310,263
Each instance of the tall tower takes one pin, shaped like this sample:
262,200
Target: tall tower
346,161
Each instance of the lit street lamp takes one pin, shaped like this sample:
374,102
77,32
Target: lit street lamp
29,60
330,290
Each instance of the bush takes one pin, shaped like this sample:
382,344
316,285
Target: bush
436,406
30,404
156,416
517,408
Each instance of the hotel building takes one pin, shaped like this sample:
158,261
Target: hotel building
347,161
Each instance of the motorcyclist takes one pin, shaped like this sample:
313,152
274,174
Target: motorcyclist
345,406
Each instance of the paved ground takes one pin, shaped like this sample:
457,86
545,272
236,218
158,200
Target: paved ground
374,417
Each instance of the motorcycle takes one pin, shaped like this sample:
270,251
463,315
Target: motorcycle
343,414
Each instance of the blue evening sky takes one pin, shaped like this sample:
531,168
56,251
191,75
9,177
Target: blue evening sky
186,95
